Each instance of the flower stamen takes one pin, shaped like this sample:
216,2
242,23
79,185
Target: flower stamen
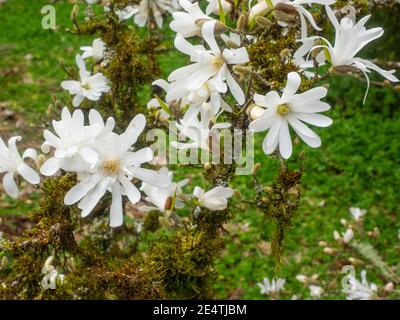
111,167
283,109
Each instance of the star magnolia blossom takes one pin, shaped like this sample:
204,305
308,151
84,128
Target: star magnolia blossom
207,93
156,8
198,131
89,86
315,291
262,7
293,109
274,286
209,64
12,164
73,150
124,13
350,38
52,277
215,199
160,196
357,213
96,51
113,172
360,290
213,6
188,23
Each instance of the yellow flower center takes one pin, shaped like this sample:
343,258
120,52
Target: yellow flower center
86,86
283,109
111,167
218,62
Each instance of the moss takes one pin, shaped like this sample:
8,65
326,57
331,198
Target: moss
279,203
184,264
267,62
151,221
131,65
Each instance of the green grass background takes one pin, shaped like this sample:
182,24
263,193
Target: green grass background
358,164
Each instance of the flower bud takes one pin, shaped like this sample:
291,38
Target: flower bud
237,194
219,26
254,111
355,261
285,13
322,244
389,287
41,159
263,22
268,189
4,262
343,222
168,204
74,12
241,70
328,250
255,168
337,236
302,278
207,166
242,22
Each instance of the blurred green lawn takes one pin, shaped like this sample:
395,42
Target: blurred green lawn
358,164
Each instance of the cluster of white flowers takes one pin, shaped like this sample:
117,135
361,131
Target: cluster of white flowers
12,164
103,160
271,287
360,290
51,276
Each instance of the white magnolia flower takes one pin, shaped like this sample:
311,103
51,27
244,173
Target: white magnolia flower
116,167
348,235
200,132
357,213
207,93
52,277
89,86
154,103
209,64
232,41
156,8
272,287
350,38
12,164
290,109
124,13
262,7
360,290
96,51
302,278
160,196
214,6
315,291
91,1
215,199
188,24
73,150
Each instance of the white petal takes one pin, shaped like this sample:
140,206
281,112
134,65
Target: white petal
116,212
315,119
89,155
50,167
292,85
131,191
28,173
285,143
9,185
